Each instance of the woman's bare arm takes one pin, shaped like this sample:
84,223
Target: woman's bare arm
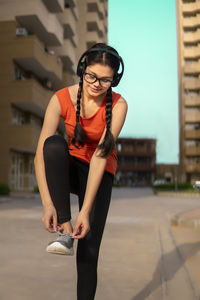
97,167
50,125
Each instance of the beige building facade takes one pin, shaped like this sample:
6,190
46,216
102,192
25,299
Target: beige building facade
40,43
188,33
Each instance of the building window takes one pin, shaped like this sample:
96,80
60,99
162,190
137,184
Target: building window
17,171
34,120
20,74
193,94
189,1
31,174
192,110
190,143
22,174
18,116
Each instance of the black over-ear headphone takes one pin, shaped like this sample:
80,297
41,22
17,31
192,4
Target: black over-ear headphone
81,67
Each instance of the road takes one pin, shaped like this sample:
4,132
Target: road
139,259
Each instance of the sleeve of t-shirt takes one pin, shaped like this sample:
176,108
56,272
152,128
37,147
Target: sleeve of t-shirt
62,98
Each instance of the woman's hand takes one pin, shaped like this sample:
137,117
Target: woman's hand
50,218
82,226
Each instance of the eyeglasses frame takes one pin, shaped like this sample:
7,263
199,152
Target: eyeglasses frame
97,79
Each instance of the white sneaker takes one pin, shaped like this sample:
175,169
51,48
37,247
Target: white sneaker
62,245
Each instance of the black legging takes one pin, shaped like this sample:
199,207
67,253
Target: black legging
65,174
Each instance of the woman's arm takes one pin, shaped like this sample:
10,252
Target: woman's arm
96,170
50,125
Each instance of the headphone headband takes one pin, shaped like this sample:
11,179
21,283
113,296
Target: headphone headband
82,64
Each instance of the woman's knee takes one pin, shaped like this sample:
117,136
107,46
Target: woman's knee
55,145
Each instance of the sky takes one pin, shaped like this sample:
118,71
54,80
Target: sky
144,34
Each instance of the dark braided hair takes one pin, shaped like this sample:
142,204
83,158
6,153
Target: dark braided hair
92,58
79,134
108,143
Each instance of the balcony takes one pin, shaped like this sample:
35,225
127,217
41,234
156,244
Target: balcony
191,8
93,19
192,134
29,53
137,153
68,56
67,19
29,95
193,68
35,17
192,22
192,168
134,168
95,6
193,52
192,151
192,117
192,37
74,8
54,6
92,36
192,101
191,84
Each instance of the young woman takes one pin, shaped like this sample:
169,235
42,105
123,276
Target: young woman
84,165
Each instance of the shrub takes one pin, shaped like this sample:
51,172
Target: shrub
36,189
171,186
4,189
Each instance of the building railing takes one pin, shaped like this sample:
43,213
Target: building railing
191,84
192,150
192,134
191,37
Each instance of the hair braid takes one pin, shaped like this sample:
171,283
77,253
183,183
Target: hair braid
79,133
108,143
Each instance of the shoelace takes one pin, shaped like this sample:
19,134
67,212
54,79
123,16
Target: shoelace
61,234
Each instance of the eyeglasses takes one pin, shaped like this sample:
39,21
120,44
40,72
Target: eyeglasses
90,78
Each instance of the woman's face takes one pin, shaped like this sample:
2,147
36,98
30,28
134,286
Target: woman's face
96,87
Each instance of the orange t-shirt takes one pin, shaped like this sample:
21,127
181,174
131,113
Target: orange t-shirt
93,127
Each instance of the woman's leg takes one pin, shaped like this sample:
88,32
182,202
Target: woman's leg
56,159
88,248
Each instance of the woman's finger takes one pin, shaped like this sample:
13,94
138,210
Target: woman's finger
48,224
76,230
54,222
82,233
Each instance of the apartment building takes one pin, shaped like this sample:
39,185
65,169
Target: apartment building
40,43
188,33
136,161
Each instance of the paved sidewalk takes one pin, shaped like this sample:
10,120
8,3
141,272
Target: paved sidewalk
187,240
186,230
143,255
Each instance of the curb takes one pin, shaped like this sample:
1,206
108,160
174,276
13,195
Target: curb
189,218
18,196
185,222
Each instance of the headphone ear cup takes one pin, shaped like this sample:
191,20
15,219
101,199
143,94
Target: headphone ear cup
81,68
116,80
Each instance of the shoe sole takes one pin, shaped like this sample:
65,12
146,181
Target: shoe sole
57,248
